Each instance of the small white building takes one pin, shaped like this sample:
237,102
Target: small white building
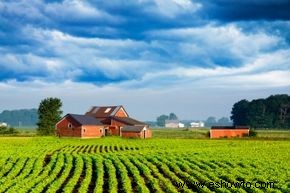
2,124
180,125
173,124
197,124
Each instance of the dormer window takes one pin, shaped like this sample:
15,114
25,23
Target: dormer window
107,110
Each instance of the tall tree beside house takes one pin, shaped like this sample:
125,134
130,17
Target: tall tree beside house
49,112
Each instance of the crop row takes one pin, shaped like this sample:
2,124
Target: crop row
91,149
96,173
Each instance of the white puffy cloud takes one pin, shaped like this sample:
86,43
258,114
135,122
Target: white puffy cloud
134,63
170,8
76,11
212,41
23,9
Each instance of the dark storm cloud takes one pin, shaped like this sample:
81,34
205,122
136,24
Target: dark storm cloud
232,10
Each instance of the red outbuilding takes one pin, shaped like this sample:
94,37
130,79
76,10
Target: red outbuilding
138,131
229,131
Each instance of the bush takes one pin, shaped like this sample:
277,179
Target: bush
253,133
6,130
207,134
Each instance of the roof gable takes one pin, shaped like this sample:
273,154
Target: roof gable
105,111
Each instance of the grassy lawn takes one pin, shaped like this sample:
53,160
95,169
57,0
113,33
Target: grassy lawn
202,133
180,133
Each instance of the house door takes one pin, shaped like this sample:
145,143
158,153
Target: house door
106,131
144,134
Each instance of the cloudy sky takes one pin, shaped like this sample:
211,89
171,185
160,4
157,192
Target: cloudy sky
194,58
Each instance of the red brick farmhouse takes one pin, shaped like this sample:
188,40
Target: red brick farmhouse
102,121
229,131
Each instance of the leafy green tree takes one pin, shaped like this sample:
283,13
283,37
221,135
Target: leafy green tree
49,112
161,120
172,116
258,115
279,109
272,112
240,113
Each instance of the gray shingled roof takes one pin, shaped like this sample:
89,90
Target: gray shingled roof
128,120
137,128
85,119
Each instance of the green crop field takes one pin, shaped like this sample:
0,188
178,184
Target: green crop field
112,164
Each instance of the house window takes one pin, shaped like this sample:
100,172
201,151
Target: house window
101,130
107,110
69,125
84,130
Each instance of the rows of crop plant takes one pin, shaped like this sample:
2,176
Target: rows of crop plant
24,172
88,166
130,173
91,149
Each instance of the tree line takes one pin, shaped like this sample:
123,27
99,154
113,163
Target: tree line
20,118
210,121
272,112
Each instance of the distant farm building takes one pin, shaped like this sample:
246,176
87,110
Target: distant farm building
180,125
229,131
102,121
3,124
197,124
173,124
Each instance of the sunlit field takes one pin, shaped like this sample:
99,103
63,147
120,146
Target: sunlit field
113,164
